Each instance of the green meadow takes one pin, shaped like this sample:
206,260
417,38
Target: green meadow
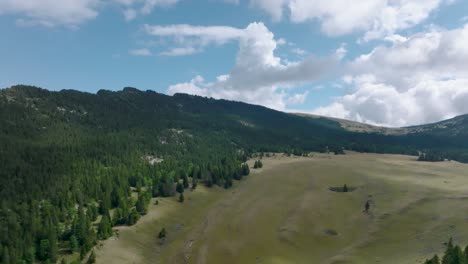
286,213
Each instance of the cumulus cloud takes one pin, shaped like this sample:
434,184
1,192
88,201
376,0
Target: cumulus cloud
259,76
378,18
417,79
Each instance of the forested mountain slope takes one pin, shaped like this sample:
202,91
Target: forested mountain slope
67,157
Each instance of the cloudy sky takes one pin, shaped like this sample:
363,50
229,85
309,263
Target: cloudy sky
385,62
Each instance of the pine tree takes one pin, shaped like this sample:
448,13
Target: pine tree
74,247
133,217
92,258
179,187
162,233
345,188
44,246
449,256
466,255
53,247
433,260
6,256
256,166
104,228
142,203
245,169
458,256
185,181
194,183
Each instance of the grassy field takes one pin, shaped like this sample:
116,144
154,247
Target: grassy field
285,213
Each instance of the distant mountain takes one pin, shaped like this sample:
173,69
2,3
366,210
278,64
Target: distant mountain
454,127
457,126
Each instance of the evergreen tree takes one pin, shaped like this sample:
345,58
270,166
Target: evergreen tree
162,233
104,228
43,253
133,217
53,247
74,247
433,260
92,212
194,183
179,188
92,258
6,256
185,181
345,188
245,169
142,203
449,256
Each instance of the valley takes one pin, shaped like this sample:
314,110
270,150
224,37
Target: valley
285,213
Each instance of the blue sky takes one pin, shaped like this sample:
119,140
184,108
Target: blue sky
385,62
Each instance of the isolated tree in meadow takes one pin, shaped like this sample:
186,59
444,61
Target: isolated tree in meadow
258,164
162,234
367,207
345,188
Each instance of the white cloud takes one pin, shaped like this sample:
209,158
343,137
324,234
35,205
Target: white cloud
234,2
73,13
50,13
180,51
141,52
419,79
218,34
281,41
298,51
258,76
130,14
149,5
377,18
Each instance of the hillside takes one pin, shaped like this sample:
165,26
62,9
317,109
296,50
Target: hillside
457,126
70,157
